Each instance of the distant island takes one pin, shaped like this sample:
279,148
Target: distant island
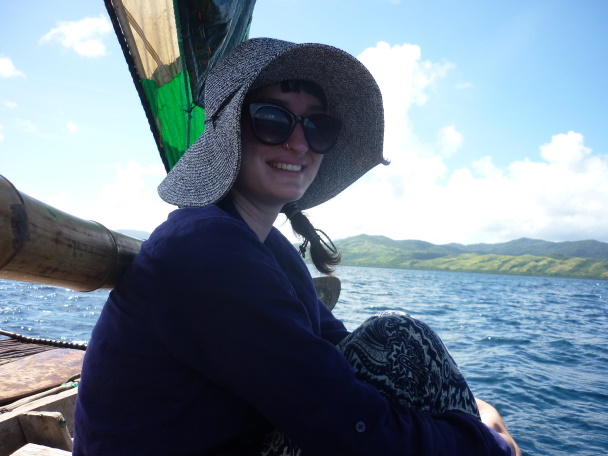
533,257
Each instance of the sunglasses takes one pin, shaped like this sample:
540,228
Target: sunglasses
273,125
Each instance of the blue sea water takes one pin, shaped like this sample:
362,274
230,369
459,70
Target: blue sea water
536,348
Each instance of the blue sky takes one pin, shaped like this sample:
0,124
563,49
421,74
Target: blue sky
495,115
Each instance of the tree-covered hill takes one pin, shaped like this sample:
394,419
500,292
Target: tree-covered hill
580,259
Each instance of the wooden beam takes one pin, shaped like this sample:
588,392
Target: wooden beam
11,434
46,428
31,449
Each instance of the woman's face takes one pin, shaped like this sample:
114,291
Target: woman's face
272,175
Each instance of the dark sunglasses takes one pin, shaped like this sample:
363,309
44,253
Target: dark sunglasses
273,124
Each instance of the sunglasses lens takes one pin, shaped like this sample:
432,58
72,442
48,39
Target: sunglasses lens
321,132
272,125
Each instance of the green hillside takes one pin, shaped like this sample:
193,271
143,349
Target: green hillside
581,259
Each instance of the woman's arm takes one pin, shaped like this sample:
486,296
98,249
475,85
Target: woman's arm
243,326
491,418
332,329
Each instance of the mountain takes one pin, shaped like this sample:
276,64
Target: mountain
524,246
579,259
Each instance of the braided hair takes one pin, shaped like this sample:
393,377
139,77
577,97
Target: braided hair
323,252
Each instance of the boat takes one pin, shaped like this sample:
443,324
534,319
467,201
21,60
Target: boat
169,47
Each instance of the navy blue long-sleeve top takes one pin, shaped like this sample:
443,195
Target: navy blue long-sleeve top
213,338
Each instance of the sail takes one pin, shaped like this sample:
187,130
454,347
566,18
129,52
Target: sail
170,46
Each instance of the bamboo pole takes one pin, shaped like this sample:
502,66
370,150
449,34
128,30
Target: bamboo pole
41,244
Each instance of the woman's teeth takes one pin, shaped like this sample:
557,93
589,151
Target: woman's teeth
287,166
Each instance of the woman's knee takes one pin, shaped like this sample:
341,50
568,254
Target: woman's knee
392,325
407,361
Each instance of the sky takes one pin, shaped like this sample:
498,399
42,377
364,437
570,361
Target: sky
496,116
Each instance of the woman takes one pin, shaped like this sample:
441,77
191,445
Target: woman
214,342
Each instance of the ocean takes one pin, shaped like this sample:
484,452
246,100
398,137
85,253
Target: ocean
536,348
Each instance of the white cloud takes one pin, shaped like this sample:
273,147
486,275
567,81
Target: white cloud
565,150
131,201
8,69
403,77
405,80
26,126
484,167
562,194
9,104
449,140
563,197
464,85
85,37
72,127
1,133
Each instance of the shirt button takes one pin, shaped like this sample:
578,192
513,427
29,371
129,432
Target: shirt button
360,426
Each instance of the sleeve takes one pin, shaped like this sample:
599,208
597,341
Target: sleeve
332,329
243,328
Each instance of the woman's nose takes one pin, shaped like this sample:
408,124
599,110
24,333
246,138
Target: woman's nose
297,142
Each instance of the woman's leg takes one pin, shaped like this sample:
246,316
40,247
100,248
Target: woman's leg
407,362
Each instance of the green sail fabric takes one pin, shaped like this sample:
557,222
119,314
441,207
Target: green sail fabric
178,120
170,46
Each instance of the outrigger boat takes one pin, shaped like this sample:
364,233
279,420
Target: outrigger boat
169,46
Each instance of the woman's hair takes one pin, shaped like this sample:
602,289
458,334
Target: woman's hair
323,252
309,87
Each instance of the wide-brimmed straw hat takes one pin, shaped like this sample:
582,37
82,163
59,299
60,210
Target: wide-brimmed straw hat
208,169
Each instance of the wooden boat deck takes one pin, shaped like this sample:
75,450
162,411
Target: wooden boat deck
31,368
37,396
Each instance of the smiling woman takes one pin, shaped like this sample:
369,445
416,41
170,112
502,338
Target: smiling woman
218,298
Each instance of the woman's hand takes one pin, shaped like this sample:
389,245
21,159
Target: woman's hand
491,418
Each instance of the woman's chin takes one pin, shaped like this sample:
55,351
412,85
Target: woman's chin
289,196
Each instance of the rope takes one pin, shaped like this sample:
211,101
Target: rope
47,342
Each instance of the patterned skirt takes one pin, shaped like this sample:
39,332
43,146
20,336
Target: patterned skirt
407,362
